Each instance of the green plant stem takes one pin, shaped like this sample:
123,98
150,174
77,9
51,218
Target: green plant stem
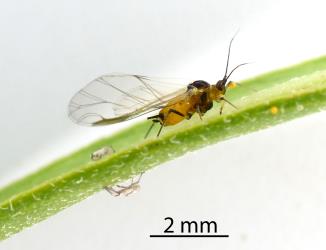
281,96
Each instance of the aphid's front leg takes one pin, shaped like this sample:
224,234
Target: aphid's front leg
223,101
222,106
199,112
228,102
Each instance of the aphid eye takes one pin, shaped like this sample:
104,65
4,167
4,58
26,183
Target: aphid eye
220,85
190,86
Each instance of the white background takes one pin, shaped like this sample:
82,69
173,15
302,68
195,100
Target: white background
267,189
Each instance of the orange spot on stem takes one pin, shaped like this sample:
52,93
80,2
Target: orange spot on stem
274,110
232,85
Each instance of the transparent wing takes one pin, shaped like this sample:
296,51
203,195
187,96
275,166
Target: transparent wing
114,98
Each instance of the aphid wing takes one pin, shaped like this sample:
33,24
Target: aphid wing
114,98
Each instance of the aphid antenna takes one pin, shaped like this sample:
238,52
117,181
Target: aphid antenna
238,66
228,58
226,75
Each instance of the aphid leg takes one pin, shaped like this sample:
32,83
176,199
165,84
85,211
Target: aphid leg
222,106
155,119
149,130
112,191
169,112
159,132
198,111
223,99
139,178
175,112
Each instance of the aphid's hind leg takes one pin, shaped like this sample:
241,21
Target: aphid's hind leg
149,130
155,119
222,106
159,132
169,112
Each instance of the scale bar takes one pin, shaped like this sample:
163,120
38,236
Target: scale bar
189,236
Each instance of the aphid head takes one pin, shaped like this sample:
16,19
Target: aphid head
222,85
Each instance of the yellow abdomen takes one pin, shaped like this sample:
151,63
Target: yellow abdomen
173,114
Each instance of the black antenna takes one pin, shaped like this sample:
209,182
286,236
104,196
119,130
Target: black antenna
235,69
229,52
227,61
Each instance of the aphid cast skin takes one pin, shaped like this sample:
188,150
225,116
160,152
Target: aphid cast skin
102,152
125,190
120,189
